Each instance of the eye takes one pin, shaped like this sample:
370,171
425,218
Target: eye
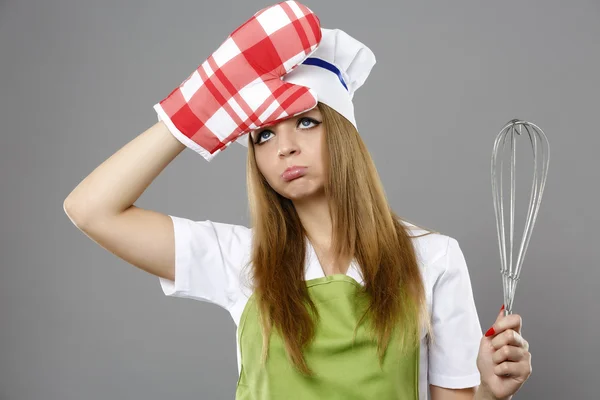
309,120
259,137
304,123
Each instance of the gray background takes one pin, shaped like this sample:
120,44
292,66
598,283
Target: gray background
78,80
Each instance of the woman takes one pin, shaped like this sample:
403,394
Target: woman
334,295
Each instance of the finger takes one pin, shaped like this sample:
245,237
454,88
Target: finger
509,353
513,369
508,337
511,321
500,315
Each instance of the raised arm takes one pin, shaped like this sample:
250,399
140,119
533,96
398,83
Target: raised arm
102,207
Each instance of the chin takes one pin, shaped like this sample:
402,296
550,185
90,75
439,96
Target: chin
297,190
297,195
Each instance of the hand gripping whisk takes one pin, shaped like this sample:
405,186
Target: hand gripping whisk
510,273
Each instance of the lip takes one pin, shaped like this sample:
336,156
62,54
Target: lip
293,172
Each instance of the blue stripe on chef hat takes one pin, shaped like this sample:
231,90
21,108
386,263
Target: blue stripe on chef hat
335,70
324,64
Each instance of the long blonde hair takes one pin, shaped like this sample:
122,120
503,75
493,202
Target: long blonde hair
364,227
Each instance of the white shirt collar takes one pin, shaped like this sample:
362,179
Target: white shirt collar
314,270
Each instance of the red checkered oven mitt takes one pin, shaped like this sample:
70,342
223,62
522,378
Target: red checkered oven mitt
239,87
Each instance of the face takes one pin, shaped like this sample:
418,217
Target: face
294,142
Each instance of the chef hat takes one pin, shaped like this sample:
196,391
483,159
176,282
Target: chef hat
335,70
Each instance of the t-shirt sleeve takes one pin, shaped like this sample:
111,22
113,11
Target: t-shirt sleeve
456,329
209,257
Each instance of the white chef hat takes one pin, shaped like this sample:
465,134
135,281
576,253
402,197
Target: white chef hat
335,70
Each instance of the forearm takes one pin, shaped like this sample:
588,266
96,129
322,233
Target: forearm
119,181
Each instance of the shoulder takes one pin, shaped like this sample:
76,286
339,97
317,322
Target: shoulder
430,246
225,236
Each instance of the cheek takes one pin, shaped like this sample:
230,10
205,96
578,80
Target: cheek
268,171
319,156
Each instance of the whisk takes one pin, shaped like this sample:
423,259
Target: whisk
511,272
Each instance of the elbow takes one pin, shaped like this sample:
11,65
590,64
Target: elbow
73,210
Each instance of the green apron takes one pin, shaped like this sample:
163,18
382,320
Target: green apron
343,369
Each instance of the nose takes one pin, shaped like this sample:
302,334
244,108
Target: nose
286,152
286,142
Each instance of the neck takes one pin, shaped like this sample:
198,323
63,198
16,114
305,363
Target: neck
316,220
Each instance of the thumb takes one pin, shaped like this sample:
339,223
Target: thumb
491,331
500,314
291,99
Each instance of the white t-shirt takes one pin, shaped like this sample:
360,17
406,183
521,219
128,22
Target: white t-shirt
209,257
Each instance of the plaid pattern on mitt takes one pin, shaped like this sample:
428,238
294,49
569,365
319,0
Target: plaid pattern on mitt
239,87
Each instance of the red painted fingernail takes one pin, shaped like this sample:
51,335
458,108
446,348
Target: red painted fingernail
502,308
490,331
